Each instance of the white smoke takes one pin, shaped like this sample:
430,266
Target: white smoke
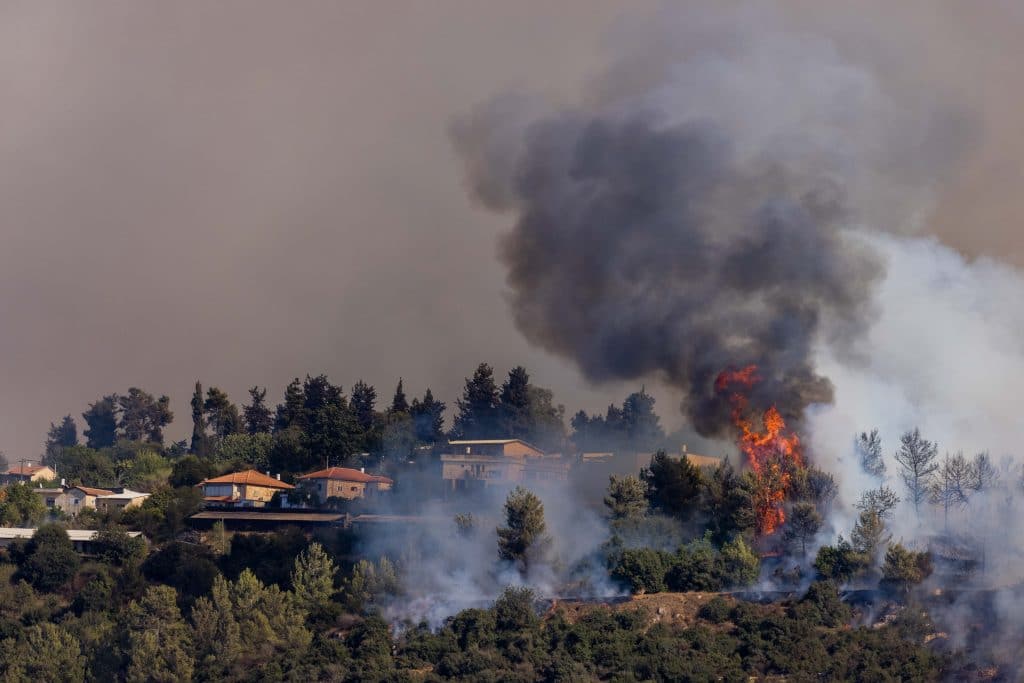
944,354
444,572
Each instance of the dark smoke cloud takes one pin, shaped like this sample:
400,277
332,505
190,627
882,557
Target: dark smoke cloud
701,220
642,249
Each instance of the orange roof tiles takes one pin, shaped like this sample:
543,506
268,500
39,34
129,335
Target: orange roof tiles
93,492
346,474
251,478
25,469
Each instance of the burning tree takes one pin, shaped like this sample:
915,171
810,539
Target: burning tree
771,450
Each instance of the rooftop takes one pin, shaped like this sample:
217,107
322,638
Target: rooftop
126,494
26,470
486,442
73,534
249,477
346,474
229,515
89,491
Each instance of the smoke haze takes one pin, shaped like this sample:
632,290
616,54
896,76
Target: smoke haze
750,185
245,192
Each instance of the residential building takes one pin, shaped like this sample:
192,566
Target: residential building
481,463
78,498
72,500
25,472
344,482
242,489
53,499
119,500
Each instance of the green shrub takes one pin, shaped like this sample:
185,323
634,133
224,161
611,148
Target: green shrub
642,569
906,567
716,610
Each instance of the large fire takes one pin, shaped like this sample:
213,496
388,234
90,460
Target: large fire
772,450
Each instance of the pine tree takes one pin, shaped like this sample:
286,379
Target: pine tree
642,424
428,418
217,636
313,578
627,497
916,458
221,413
59,437
478,407
258,419
514,405
522,540
363,400
869,448
881,501
101,418
951,485
398,403
331,432
159,640
673,485
803,525
292,412
984,474
44,652
868,535
143,417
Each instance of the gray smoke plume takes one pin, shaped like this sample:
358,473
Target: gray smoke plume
703,220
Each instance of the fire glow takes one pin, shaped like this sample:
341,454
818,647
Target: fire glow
772,451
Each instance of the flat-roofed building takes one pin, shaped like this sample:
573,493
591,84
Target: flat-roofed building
53,499
480,463
81,539
119,500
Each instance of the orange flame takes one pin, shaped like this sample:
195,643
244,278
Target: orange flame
772,451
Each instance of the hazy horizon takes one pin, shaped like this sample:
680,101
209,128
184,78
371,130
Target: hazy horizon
244,192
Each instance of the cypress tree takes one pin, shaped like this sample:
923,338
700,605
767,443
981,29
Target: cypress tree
200,441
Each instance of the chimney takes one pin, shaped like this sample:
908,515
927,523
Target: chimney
363,470
63,482
279,476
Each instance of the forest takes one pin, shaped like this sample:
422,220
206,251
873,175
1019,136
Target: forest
181,604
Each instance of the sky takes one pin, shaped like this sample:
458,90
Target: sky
245,192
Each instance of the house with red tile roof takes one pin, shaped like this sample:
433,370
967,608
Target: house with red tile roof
78,498
242,489
25,472
344,482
